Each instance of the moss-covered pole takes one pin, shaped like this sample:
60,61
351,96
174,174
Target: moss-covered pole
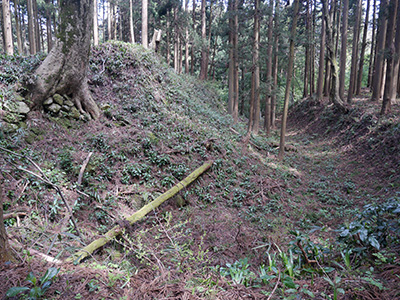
117,230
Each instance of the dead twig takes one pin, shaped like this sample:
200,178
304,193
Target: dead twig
84,165
14,215
308,261
275,287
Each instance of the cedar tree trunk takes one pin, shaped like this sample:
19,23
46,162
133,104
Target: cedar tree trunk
5,251
64,71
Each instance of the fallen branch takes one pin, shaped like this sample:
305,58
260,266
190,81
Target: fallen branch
34,252
84,165
308,261
118,229
14,215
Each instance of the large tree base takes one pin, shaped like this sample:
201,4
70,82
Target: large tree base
64,74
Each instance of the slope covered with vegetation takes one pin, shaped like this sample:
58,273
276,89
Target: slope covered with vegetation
250,228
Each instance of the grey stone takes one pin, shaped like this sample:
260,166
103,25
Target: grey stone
48,101
22,108
65,108
58,99
54,108
69,103
74,114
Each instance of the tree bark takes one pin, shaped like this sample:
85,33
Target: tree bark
9,48
5,251
379,52
131,29
48,26
373,43
95,24
187,39
362,54
18,27
36,25
321,59
233,77
267,113
390,50
307,59
274,90
176,41
334,90
64,71
288,81
354,55
192,60
168,38
343,48
396,63
204,46
145,42
254,120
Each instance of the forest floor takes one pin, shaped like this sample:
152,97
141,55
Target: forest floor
242,228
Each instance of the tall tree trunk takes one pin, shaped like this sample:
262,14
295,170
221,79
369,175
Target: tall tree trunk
242,87
254,120
373,43
168,41
192,60
231,62
204,46
343,48
5,250
307,58
131,29
288,80
110,21
274,90
9,48
31,28
362,54
64,71
334,90
18,27
379,52
95,24
312,75
396,63
267,113
48,26
321,59
354,55
391,52
187,39
233,80
177,58
145,41
36,22
327,78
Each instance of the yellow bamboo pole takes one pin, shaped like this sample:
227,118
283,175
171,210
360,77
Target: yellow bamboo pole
117,230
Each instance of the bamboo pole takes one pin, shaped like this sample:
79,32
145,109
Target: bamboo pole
117,230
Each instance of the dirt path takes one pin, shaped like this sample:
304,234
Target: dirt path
334,184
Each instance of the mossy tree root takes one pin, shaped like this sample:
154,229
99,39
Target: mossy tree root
117,230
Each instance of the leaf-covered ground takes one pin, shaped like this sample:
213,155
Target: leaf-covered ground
233,232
